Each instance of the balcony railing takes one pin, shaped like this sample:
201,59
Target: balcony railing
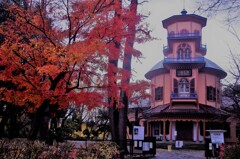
184,60
184,95
183,35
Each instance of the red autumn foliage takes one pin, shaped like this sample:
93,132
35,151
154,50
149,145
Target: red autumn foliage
59,51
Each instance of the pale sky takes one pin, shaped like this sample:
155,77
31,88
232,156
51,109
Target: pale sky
215,36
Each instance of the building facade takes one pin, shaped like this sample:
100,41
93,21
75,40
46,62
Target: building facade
185,85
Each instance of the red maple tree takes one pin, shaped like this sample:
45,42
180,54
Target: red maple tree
56,53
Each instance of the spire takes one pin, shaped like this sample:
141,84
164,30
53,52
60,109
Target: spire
184,12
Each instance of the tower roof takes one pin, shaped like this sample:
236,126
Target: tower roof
214,68
209,66
184,17
156,69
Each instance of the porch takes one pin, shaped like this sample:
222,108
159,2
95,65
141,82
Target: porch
172,130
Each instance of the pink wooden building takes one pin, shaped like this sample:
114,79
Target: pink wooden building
186,86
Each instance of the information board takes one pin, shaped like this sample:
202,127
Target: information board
146,146
217,136
138,133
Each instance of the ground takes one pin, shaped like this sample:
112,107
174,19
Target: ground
179,154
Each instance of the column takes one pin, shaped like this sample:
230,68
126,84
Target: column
170,131
204,130
148,128
197,130
164,130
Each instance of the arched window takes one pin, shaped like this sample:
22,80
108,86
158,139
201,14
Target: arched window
187,53
184,51
183,86
180,53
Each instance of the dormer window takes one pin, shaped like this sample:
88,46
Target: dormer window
184,51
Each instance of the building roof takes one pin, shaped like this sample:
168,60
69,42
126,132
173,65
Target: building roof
214,68
204,111
209,66
184,17
156,69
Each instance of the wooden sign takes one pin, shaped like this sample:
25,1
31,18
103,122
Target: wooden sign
183,72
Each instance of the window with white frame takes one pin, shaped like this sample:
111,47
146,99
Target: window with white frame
184,86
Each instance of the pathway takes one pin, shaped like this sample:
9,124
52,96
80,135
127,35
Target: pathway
179,154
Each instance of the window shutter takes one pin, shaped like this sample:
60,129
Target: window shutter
153,93
214,94
218,96
192,86
175,86
156,93
161,93
208,93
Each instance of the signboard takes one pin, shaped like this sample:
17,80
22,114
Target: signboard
179,144
183,72
217,136
146,146
138,133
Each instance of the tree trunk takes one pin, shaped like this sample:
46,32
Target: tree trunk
123,117
5,118
40,123
9,117
113,117
13,129
113,112
113,62
123,112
